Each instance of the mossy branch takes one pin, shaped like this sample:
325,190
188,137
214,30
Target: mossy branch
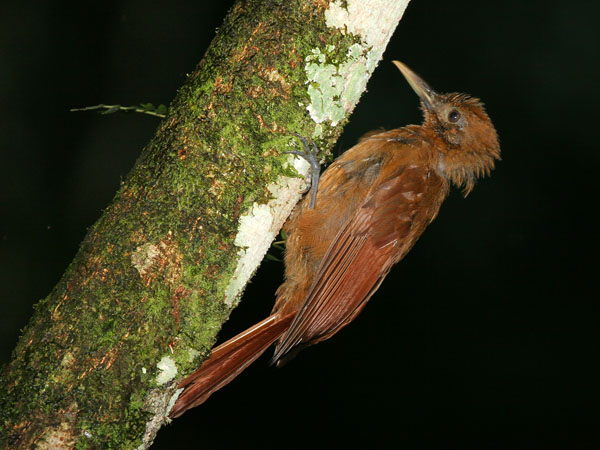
156,276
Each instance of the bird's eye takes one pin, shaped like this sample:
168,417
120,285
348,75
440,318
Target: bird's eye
453,116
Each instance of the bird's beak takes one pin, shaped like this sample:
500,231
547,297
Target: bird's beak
425,93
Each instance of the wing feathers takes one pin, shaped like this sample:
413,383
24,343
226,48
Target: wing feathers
358,259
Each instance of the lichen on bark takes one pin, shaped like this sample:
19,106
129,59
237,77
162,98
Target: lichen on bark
151,284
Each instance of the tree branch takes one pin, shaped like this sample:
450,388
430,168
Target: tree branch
156,276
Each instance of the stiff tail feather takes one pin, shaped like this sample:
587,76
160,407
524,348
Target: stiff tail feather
227,361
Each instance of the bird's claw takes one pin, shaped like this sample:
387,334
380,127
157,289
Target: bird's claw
310,154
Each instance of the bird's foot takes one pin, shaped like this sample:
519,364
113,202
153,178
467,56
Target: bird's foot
311,154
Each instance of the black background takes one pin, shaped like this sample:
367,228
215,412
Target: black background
485,336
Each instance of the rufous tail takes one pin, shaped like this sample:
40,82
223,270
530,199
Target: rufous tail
227,361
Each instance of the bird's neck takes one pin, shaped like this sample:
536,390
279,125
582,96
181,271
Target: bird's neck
463,166
459,165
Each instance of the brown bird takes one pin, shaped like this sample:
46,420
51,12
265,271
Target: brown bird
372,205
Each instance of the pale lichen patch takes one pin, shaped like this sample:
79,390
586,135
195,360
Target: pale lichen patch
62,435
261,224
273,76
172,401
68,360
162,259
334,87
193,354
167,370
373,20
158,402
144,257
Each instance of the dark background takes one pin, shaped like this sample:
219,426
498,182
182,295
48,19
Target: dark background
485,336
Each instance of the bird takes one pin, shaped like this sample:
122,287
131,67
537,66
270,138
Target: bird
373,203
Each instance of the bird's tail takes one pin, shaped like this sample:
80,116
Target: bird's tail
227,361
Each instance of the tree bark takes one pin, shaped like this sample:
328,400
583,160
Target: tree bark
156,276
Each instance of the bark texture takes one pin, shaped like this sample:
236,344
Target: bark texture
156,276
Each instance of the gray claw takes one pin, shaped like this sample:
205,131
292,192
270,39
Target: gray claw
311,154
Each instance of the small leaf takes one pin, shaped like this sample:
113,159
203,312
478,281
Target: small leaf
112,109
270,257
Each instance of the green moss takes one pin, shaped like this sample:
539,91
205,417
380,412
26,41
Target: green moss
149,278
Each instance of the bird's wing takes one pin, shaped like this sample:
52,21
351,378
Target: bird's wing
380,233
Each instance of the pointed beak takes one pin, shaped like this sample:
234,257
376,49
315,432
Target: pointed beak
425,93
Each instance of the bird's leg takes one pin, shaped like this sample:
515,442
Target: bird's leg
311,154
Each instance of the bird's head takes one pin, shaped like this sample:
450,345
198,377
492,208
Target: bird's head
469,140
